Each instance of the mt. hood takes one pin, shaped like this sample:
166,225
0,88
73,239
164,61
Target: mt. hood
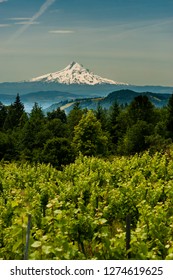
75,73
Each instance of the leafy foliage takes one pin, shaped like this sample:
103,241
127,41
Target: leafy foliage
58,152
89,138
80,212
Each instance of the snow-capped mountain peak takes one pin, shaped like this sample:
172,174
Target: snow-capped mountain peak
73,65
74,73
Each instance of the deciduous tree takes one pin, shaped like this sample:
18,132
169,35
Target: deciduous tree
89,138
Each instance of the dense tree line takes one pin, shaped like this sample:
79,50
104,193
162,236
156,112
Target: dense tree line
58,138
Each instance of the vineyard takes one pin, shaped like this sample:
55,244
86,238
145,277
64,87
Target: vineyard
81,211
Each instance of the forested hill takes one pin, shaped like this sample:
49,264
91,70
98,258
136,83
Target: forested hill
88,96
125,96
122,97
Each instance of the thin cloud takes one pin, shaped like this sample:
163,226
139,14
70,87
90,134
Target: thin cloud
41,11
1,1
20,18
26,22
61,31
4,25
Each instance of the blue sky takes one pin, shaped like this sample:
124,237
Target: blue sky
124,40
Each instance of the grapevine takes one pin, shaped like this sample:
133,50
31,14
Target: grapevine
80,212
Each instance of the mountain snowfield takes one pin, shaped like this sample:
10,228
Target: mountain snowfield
75,73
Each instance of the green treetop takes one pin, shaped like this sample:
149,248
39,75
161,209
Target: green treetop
89,138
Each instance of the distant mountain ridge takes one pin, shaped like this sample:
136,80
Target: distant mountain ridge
50,100
75,73
125,96
122,97
43,98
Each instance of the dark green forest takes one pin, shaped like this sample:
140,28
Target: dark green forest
58,139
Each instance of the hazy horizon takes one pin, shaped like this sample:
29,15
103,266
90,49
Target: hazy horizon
124,40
